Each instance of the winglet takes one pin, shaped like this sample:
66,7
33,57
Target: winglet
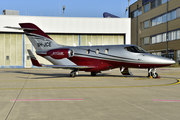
33,59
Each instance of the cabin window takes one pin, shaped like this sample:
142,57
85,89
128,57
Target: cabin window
135,49
88,51
97,51
107,51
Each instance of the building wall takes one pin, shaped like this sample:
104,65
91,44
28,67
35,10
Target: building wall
71,25
137,24
65,31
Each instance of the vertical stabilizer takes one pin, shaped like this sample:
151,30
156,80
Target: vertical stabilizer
40,40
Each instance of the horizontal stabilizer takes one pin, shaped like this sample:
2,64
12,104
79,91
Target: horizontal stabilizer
19,28
33,59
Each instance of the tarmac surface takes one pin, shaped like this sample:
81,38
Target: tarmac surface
50,94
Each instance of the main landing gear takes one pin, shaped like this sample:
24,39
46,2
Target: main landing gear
95,73
74,73
152,73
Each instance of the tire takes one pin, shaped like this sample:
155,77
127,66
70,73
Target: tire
72,74
93,73
155,75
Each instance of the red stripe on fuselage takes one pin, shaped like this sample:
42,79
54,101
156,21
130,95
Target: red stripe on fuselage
107,64
101,65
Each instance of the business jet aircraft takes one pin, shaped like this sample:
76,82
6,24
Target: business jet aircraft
92,59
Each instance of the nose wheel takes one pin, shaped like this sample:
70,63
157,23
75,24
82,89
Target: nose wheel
152,73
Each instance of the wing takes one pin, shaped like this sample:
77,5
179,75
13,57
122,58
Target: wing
36,63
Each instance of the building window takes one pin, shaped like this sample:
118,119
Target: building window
178,34
164,1
158,38
136,13
146,8
153,5
173,15
156,3
159,20
153,39
178,13
139,11
164,37
153,22
146,41
132,15
146,24
172,35
159,2
168,16
164,18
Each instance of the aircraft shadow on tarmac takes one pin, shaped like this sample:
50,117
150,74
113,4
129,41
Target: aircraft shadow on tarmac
60,75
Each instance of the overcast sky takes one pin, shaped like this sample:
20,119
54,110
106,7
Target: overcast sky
74,8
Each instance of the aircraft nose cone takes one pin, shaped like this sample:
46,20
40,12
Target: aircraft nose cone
169,61
172,61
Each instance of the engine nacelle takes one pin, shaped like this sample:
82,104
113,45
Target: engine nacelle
60,53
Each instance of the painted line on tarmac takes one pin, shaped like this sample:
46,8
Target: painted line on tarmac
20,100
178,82
162,100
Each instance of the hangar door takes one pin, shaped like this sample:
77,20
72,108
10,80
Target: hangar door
11,50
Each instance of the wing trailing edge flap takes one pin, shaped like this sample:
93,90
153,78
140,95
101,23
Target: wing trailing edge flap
125,71
36,63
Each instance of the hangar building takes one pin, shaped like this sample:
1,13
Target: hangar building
64,30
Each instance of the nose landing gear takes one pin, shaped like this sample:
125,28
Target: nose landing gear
152,73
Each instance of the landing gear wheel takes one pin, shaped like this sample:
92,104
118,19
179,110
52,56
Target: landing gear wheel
72,74
154,75
93,73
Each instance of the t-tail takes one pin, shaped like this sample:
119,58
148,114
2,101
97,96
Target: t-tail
40,40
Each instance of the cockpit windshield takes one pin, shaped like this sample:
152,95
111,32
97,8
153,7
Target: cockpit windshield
135,49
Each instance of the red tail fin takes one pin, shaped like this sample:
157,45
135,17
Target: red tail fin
38,31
